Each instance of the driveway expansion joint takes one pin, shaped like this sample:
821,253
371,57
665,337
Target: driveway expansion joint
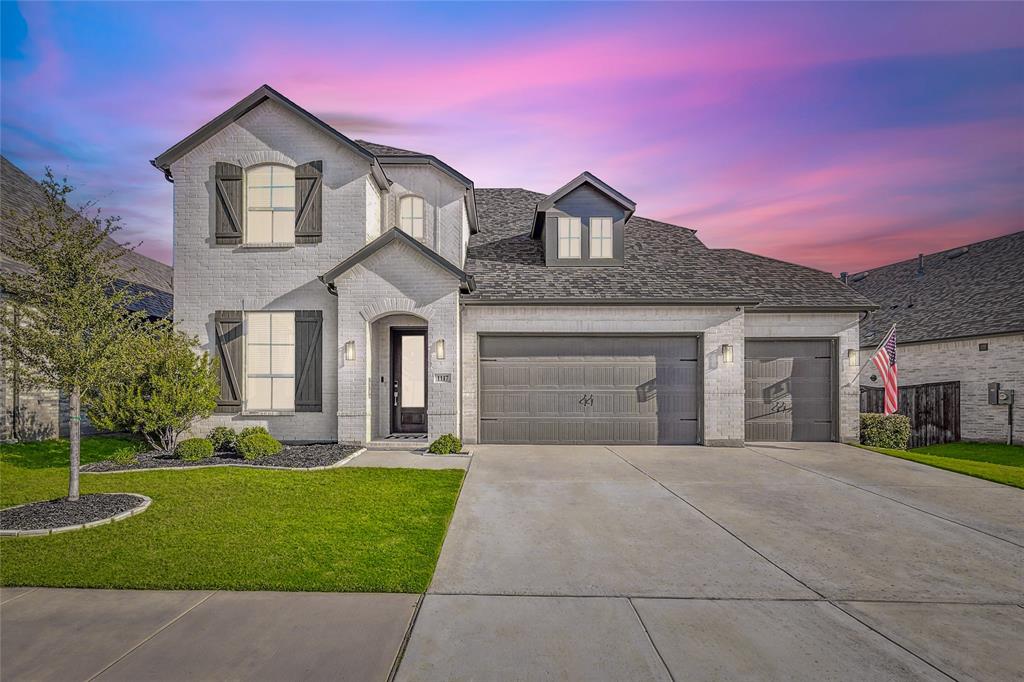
651,639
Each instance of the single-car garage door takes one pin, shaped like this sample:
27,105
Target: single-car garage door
589,389
789,390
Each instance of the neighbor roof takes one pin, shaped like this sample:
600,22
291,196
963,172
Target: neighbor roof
977,290
663,263
22,194
244,106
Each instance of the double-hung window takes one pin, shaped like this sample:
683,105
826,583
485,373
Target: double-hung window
270,361
568,237
270,204
600,237
411,216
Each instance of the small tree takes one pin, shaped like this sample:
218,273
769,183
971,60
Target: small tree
172,387
64,319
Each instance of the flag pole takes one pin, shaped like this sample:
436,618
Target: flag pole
865,363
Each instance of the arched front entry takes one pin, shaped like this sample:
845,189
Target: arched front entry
399,376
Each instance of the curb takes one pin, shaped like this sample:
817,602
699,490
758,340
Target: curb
340,462
39,532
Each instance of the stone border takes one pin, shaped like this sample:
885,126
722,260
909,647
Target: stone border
339,463
40,532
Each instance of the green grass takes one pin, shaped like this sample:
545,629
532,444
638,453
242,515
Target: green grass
992,461
345,530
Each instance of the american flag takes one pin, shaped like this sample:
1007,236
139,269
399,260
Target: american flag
885,360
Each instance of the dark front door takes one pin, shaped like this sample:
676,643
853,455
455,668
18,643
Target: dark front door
409,380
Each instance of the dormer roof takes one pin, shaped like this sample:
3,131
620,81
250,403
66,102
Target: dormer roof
584,178
241,108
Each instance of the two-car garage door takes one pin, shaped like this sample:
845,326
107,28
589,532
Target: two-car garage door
589,389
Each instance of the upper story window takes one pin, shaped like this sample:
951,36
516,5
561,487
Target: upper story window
569,231
411,216
270,204
270,361
600,237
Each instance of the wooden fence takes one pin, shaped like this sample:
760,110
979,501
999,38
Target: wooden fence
934,410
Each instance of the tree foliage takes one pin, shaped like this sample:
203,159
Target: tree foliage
171,386
65,318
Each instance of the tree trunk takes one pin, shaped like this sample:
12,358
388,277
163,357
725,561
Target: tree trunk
75,436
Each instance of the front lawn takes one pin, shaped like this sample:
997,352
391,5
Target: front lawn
346,530
992,461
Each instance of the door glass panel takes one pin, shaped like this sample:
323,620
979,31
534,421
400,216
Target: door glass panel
413,388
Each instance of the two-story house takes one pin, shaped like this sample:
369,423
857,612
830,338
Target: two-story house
357,292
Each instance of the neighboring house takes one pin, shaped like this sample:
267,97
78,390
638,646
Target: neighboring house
32,413
959,317
355,292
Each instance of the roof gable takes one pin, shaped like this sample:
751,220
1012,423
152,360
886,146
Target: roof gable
241,108
584,178
389,237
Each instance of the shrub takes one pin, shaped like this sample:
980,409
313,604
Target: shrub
170,386
885,430
445,445
194,449
256,445
223,438
249,430
125,456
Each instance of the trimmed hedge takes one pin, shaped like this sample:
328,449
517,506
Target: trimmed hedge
890,431
250,430
256,445
224,438
445,445
194,449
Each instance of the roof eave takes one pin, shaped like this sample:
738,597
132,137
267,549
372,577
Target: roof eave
826,308
467,283
577,301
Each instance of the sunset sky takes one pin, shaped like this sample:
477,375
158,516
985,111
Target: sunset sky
834,135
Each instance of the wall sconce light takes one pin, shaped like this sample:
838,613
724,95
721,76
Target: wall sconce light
350,350
439,349
853,357
727,353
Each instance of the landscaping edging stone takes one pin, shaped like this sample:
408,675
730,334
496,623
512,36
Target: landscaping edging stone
346,453
143,505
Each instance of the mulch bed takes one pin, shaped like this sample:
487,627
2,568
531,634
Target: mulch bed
59,513
293,456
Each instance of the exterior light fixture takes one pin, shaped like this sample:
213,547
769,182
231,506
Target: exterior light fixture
853,357
350,350
727,353
439,349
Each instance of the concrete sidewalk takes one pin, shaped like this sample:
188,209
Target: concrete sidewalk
50,634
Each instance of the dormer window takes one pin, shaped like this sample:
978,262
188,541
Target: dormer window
411,216
601,237
569,232
270,204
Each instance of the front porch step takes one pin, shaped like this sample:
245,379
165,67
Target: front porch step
398,443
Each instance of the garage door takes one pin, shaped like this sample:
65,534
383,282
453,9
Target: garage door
589,389
789,390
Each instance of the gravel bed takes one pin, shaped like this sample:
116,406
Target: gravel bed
293,456
59,513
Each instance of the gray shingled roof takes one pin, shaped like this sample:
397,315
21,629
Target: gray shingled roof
663,262
976,293
384,150
21,194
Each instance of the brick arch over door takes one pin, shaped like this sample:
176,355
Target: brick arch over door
395,305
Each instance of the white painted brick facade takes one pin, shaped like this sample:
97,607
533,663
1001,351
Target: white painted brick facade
844,328
961,360
443,200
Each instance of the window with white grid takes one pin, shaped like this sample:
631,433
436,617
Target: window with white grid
270,204
270,361
568,237
411,216
600,237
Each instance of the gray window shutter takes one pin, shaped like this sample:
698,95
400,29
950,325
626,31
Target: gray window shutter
228,327
309,355
309,202
228,180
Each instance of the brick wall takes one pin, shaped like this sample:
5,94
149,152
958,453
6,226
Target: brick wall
443,200
961,360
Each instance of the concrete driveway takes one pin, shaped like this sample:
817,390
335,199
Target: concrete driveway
775,561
